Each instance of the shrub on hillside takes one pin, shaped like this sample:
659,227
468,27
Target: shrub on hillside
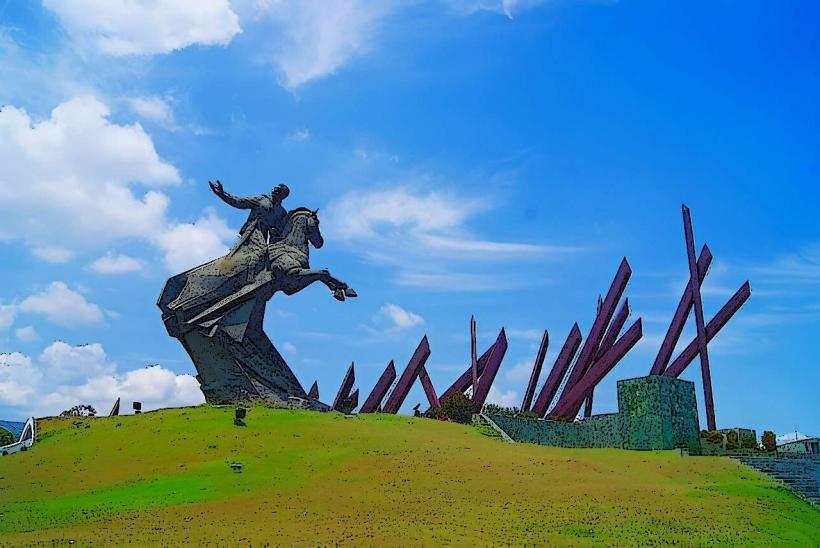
6,438
732,440
498,410
769,440
457,408
79,411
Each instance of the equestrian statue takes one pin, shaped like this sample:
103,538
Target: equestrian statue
216,310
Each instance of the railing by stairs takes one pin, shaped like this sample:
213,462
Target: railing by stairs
488,427
798,473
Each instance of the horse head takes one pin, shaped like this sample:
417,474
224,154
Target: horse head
314,235
303,224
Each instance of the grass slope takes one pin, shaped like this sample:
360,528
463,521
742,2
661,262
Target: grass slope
318,479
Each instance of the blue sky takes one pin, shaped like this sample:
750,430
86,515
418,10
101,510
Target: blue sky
487,158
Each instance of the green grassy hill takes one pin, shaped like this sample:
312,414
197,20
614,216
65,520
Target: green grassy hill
320,479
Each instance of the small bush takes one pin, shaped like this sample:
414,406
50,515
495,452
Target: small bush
457,408
769,440
712,436
498,410
80,411
732,440
6,437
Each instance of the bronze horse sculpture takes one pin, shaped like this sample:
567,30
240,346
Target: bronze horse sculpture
216,311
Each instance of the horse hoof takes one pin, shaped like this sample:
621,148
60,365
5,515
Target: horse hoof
339,295
350,292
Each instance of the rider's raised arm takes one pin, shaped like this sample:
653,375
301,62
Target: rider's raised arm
239,202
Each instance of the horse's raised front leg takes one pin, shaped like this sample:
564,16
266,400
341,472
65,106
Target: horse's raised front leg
339,288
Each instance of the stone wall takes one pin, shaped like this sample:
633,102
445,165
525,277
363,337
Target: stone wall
597,431
658,413
655,412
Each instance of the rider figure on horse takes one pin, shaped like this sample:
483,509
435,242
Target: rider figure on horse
267,213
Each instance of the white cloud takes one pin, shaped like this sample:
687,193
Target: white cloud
68,363
399,317
362,215
508,398
300,135
26,334
68,184
65,182
526,334
65,375
128,27
520,372
314,39
53,255
187,245
112,263
289,347
8,313
18,378
800,268
505,7
153,108
424,235
154,386
62,306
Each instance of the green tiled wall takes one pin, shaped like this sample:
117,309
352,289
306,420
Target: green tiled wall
655,413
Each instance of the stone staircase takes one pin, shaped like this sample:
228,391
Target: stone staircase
799,473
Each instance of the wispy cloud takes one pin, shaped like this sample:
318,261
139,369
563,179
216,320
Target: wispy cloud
300,135
310,42
425,236
62,306
116,27
399,317
115,263
799,268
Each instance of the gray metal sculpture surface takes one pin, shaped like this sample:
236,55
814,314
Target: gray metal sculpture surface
216,310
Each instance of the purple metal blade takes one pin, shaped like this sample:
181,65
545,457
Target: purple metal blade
353,400
679,319
700,323
473,354
559,370
602,320
464,381
407,378
485,382
429,391
712,328
371,404
344,389
609,339
571,402
536,372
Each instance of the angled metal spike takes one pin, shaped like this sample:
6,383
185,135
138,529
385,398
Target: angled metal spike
536,372
558,372
712,328
485,382
571,401
407,378
429,391
679,319
344,389
371,404
602,320
700,323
